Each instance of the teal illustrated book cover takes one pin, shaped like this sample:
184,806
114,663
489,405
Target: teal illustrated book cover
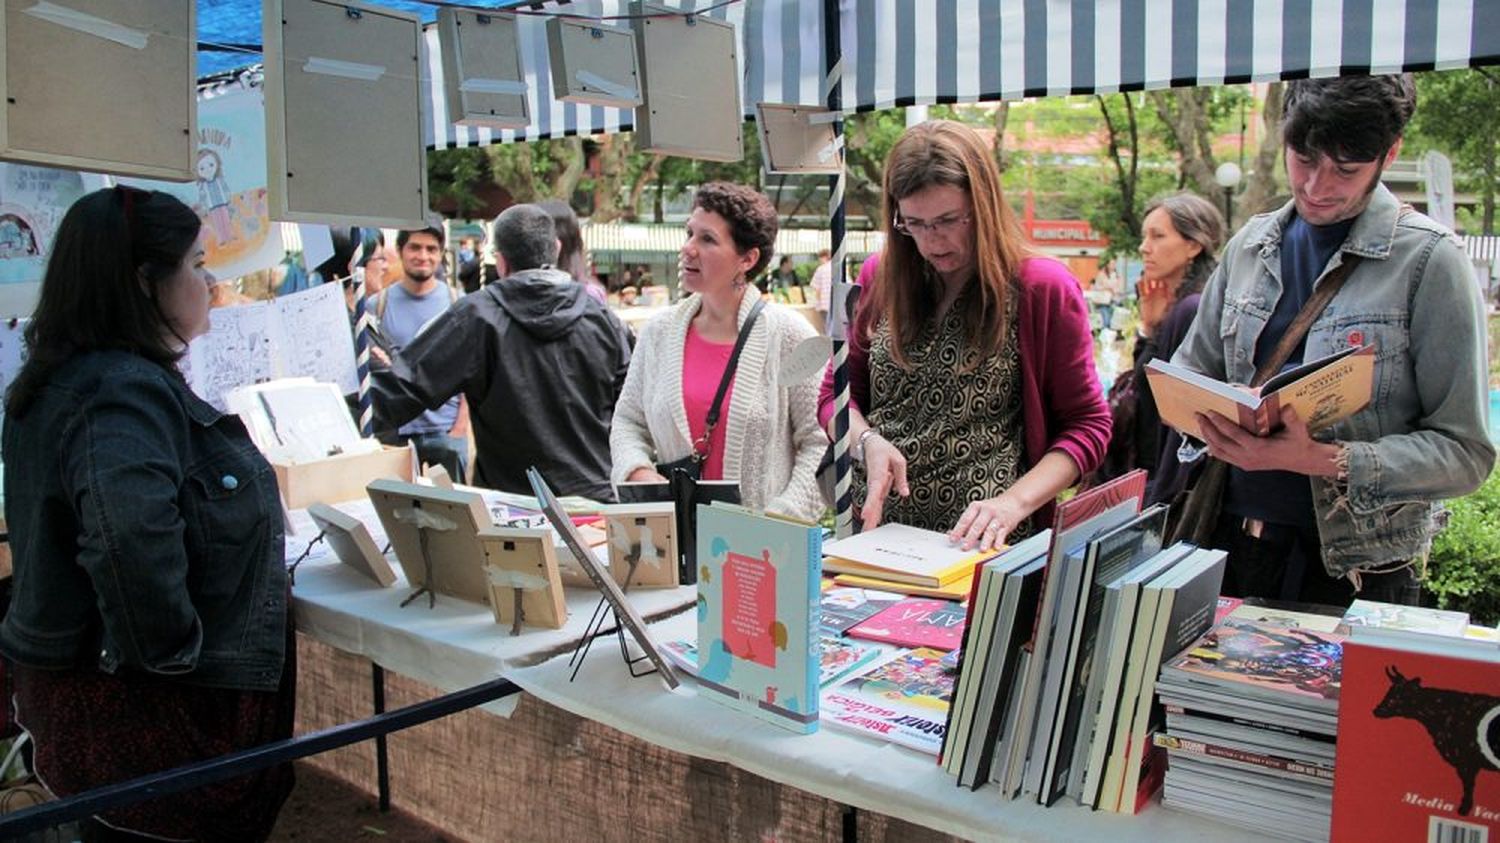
758,593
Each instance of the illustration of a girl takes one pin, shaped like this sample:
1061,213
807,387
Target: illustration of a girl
213,194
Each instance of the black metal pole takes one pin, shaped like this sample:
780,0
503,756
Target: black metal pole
382,761
246,761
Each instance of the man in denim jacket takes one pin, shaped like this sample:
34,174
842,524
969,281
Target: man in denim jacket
1352,508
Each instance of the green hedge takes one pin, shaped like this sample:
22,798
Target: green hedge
1464,571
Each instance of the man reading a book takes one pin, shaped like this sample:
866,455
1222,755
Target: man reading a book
1351,508
540,361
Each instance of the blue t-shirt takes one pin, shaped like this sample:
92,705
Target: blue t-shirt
405,315
1285,497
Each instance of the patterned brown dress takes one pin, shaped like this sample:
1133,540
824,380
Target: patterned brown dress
960,431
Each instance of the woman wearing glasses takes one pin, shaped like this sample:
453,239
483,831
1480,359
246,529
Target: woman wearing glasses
975,400
766,435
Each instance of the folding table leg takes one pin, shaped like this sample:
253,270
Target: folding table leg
382,764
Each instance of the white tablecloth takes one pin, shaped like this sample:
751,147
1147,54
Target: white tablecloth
848,768
453,645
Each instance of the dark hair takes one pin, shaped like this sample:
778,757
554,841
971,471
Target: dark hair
750,215
1348,118
109,244
1198,220
526,237
404,235
371,240
569,238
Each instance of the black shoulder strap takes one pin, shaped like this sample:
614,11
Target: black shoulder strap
734,360
1305,317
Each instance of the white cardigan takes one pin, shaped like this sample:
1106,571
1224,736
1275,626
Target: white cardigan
772,441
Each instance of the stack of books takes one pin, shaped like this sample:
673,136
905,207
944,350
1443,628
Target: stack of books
908,560
1065,634
1419,733
1252,715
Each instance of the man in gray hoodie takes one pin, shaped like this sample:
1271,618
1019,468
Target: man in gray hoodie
540,361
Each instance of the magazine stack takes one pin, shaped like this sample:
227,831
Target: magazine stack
1251,718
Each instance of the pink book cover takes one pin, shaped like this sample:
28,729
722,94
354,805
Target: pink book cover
915,622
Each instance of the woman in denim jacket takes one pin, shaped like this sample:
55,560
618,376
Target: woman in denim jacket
148,625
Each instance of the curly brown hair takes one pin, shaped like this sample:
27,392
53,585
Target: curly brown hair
750,215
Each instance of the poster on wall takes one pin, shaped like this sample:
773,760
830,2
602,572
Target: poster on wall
229,192
32,203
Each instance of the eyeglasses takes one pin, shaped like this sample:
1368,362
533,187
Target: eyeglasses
940,226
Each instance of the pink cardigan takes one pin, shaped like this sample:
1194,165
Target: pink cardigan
1062,401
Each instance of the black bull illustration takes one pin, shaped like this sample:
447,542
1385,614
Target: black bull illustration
1465,727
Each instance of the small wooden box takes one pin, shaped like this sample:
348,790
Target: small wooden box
340,478
643,535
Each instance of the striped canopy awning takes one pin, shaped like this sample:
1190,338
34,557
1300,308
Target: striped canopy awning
903,52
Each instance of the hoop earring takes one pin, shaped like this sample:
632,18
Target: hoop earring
740,282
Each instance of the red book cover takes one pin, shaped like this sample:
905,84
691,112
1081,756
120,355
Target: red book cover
1418,747
915,622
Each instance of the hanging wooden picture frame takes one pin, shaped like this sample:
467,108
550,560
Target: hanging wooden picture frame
482,80
797,139
593,64
642,544
451,559
522,562
344,114
691,114
101,85
352,544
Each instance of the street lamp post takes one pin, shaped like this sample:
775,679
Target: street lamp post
1227,176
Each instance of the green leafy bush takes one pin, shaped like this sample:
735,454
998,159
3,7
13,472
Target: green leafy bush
1464,571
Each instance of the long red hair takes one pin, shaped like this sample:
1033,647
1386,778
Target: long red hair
906,292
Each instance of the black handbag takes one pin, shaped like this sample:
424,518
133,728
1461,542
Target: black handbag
1195,511
692,464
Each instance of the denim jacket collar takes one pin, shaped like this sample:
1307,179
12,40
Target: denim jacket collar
1371,236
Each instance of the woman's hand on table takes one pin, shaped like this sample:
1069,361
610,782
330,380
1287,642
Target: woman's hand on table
645,475
986,523
885,472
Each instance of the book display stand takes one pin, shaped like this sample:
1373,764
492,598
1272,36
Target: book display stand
626,617
435,533
525,585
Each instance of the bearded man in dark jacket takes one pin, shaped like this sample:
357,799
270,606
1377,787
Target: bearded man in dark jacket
540,361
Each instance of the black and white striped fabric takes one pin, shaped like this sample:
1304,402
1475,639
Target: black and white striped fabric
900,52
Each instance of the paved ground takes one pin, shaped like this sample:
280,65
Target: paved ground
324,808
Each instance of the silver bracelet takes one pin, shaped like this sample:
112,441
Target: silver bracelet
858,451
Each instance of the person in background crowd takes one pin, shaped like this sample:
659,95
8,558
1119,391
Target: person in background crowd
767,437
571,257
1180,239
822,282
148,625
540,361
1105,293
1351,509
469,264
403,310
974,396
369,243
785,276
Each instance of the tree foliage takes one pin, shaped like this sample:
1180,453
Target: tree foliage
1458,114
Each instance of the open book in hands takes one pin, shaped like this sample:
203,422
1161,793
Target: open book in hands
1322,392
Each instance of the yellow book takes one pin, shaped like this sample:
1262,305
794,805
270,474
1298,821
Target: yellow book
899,553
933,579
956,590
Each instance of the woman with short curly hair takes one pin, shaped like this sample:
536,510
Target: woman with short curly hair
767,437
